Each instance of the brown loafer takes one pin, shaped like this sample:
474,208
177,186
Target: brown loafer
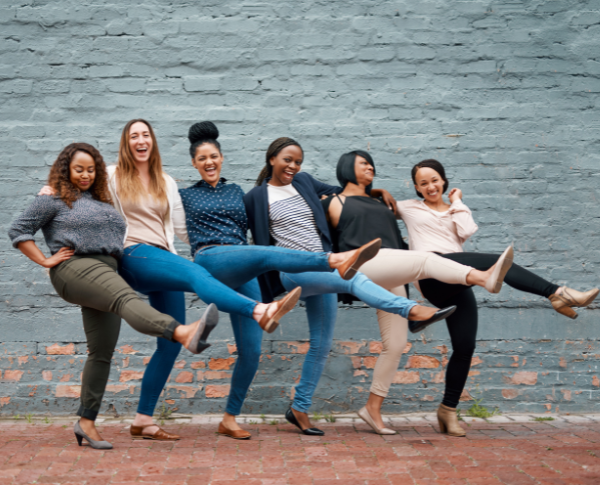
269,324
236,434
368,251
160,435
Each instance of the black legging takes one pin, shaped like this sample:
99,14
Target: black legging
462,324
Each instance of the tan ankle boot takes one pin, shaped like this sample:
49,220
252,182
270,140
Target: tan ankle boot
569,298
448,421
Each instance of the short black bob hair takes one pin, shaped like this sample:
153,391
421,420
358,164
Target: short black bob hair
346,171
435,165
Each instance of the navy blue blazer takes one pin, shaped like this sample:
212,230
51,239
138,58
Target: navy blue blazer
257,209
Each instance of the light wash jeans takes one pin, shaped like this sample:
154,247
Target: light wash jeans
238,267
320,293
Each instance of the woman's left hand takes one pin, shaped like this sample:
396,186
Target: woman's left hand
389,200
454,195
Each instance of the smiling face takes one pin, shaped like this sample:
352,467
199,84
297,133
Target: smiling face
82,171
430,184
286,164
140,142
208,161
364,171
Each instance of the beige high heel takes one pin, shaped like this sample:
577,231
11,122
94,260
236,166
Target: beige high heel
569,298
448,421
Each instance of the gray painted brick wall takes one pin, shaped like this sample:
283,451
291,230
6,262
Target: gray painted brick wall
504,93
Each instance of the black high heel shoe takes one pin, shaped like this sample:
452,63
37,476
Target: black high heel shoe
97,445
289,415
417,326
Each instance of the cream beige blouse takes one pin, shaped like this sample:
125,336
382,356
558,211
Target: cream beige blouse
440,232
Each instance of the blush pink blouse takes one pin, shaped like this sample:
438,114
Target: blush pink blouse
440,232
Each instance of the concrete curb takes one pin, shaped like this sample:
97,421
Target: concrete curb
416,419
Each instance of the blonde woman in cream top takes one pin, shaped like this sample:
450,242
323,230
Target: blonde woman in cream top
143,218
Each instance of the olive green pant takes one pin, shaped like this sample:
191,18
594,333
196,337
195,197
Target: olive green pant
92,281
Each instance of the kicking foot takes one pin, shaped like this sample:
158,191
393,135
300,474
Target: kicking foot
193,337
499,270
565,298
348,267
420,324
274,311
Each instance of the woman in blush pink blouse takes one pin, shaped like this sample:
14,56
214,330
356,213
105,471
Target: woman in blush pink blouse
436,226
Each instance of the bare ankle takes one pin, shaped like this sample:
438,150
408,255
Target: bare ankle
478,278
259,311
142,420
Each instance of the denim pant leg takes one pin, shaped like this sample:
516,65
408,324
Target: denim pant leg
360,286
161,364
237,265
248,338
149,269
321,311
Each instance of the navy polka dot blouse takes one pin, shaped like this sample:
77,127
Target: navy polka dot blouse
214,215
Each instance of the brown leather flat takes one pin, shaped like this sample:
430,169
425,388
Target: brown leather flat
236,434
160,435
269,324
348,268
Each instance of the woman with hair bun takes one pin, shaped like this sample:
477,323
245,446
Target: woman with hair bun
85,236
217,226
285,209
149,202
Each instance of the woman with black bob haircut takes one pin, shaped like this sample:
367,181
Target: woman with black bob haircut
344,214
85,236
284,209
216,227
434,225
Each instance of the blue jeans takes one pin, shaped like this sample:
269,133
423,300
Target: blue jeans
320,293
360,286
248,339
164,276
147,268
237,267
159,368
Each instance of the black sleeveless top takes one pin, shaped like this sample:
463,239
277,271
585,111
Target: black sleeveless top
362,220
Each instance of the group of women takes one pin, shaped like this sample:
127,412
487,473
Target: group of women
111,234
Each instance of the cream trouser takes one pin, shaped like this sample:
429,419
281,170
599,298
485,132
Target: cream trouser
392,269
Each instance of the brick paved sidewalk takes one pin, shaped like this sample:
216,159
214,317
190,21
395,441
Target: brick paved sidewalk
512,450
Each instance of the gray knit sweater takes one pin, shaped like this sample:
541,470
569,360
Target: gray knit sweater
90,227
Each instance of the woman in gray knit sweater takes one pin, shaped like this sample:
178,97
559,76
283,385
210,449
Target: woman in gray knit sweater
85,236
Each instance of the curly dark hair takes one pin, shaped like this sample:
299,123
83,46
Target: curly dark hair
60,175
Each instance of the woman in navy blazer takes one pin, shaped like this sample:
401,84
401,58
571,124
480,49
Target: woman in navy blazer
257,209
285,195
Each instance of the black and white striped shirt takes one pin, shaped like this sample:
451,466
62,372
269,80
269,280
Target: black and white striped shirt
291,221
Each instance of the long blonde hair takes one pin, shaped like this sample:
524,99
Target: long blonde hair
130,185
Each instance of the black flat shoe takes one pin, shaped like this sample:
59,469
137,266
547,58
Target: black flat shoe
289,415
417,326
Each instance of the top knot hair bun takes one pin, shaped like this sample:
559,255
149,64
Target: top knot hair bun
203,131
